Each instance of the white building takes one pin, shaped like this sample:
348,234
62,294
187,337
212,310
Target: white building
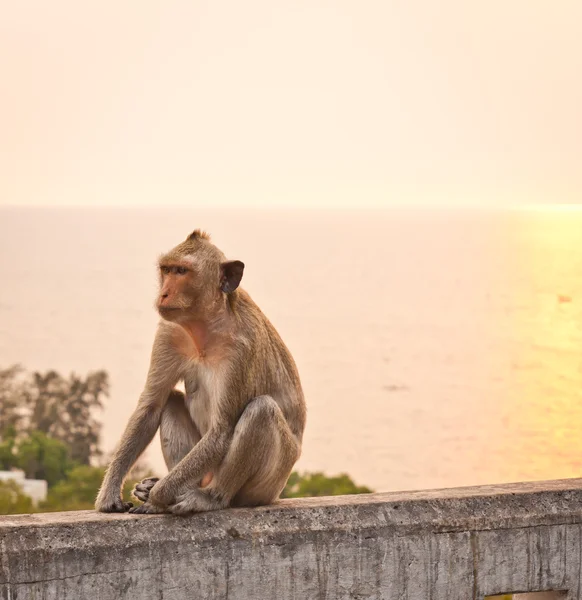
35,488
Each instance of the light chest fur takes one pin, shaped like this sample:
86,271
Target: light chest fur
203,377
203,392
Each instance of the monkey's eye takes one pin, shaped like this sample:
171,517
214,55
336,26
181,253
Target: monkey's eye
181,270
165,270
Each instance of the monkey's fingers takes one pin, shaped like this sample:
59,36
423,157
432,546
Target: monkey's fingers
142,495
142,490
116,507
149,482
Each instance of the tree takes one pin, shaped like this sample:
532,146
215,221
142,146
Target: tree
8,449
62,408
13,398
13,500
317,484
49,430
42,457
77,491
39,456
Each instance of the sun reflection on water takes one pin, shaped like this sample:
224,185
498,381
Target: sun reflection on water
543,409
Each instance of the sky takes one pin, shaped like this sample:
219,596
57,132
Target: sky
304,103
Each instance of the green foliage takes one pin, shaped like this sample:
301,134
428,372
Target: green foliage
64,409
61,408
317,484
48,429
79,490
8,450
39,456
42,457
13,500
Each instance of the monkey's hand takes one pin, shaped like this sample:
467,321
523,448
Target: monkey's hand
141,491
112,505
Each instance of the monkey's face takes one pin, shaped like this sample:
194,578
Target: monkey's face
194,280
185,291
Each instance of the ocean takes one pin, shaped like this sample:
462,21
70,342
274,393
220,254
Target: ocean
436,348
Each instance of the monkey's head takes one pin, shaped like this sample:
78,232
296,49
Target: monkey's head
195,278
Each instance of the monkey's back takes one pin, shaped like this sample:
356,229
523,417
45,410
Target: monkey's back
271,370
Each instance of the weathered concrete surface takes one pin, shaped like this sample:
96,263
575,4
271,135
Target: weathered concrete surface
455,544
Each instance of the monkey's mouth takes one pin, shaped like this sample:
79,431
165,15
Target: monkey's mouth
168,310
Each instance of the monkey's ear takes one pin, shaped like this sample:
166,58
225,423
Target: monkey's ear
231,274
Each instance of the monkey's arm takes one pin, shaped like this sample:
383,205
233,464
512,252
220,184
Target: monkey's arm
163,374
137,435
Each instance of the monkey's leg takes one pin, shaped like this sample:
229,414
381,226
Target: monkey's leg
178,435
256,467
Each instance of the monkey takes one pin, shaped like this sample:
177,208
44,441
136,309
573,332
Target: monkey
234,436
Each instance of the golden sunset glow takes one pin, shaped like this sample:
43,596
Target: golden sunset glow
444,346
543,401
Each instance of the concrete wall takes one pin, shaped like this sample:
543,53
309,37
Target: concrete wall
456,544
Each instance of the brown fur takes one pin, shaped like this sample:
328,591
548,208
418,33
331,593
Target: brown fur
236,434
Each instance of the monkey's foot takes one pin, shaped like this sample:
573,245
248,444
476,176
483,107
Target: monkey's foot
141,491
147,509
116,506
195,501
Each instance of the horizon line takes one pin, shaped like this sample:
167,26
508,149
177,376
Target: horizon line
565,207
